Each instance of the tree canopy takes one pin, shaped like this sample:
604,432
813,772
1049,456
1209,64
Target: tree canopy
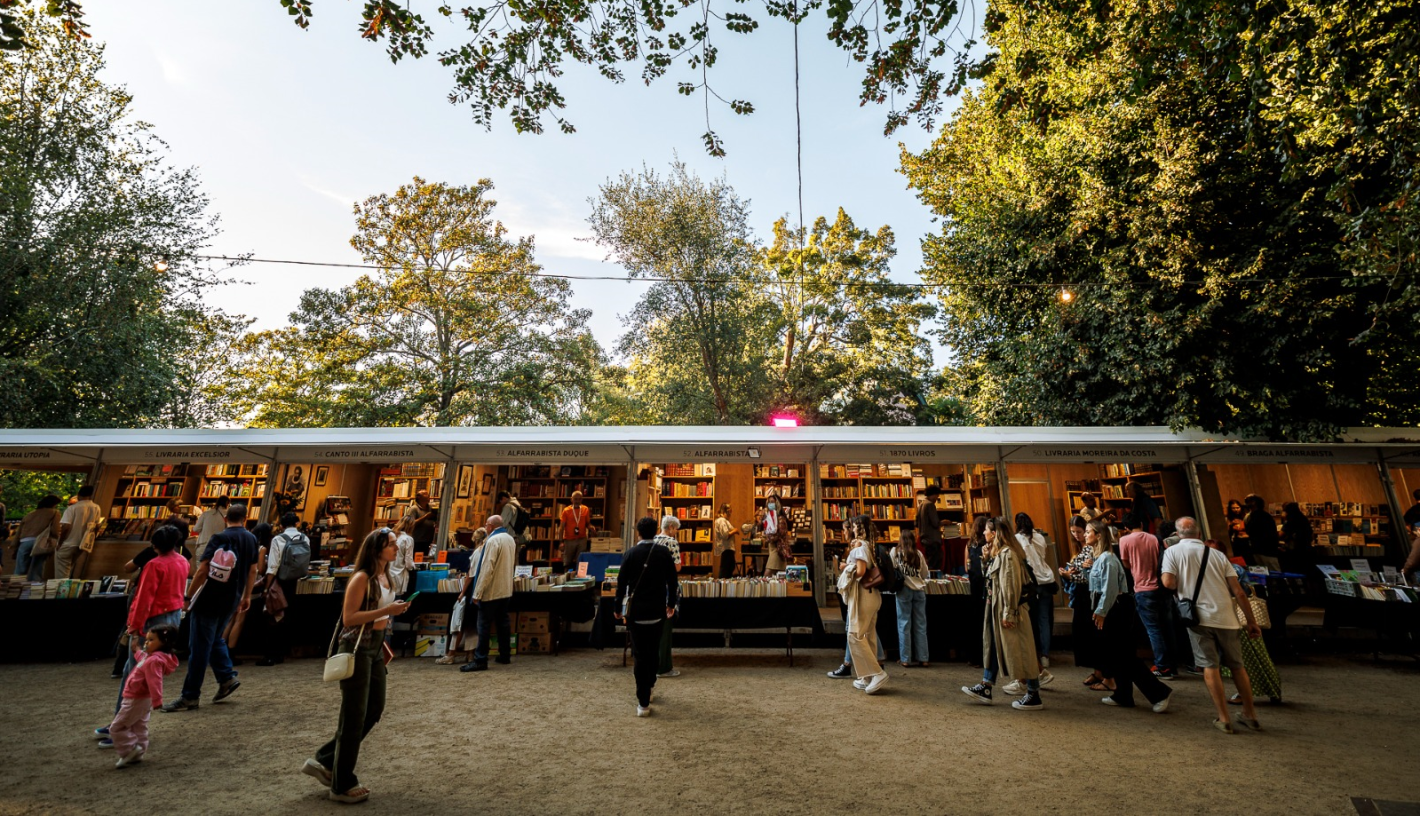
457,328
100,287
1211,282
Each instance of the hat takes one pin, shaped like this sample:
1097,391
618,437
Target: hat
932,490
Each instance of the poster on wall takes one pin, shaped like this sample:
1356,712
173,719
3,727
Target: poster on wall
322,474
465,484
294,494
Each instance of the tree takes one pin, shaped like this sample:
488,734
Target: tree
697,338
458,328
518,51
98,246
850,347
21,490
1205,279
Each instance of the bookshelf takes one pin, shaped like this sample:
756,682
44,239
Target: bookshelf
544,491
983,491
790,482
1162,485
141,496
882,492
951,504
397,484
687,491
244,483
1345,529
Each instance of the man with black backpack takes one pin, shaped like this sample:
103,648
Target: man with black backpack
287,562
515,519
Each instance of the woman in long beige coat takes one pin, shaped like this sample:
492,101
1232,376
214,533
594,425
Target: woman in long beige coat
1007,641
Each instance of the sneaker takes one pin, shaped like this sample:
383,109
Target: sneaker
105,743
180,704
1044,662
643,710
671,673
473,667
1225,727
1109,701
1030,702
1193,670
876,683
132,757
503,661
116,676
842,672
1013,688
980,692
1166,674
101,733
1251,725
1162,705
1046,678
861,683
320,772
266,661
225,690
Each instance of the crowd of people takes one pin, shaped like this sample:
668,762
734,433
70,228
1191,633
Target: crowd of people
1143,572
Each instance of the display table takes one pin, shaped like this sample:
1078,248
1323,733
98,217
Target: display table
953,627
60,630
726,614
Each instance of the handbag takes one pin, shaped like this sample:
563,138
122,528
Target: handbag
45,542
456,617
276,602
340,665
1259,612
1188,607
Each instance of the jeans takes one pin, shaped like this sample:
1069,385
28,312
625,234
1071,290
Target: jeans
28,565
1156,608
911,625
206,644
491,614
991,666
173,618
362,701
1042,620
645,654
663,663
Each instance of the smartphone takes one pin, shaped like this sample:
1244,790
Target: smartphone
412,596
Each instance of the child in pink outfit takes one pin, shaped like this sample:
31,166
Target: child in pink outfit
142,693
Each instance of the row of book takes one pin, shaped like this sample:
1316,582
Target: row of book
949,585
788,491
694,512
887,490
736,588
776,471
213,490
689,470
232,471
698,535
17,588
687,490
153,490
139,511
859,471
557,471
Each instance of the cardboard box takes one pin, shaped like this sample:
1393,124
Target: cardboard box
433,624
431,646
533,623
535,643
606,544
493,645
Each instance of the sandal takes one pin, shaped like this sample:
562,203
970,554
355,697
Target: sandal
446,660
1101,686
904,664
354,796
1093,680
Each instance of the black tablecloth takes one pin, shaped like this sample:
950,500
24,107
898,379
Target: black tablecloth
60,630
577,606
725,613
953,627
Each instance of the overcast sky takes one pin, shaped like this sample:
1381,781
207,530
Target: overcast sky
288,128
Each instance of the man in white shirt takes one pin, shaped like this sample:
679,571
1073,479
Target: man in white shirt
275,556
80,519
493,593
1215,638
212,521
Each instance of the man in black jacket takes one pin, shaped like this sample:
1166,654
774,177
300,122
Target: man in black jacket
648,577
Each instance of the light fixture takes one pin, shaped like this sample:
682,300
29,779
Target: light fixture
1066,295
785,421
160,266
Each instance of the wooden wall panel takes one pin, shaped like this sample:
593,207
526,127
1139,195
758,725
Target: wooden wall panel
1407,481
1310,483
734,483
1026,470
1361,483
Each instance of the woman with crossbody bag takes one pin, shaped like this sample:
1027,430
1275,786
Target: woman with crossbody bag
858,584
365,615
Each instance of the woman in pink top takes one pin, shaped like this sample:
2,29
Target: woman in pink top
141,692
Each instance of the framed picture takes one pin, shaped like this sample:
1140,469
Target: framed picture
322,473
465,485
487,484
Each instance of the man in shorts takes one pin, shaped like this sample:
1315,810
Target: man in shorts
1215,638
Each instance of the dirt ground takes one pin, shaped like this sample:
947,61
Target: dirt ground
739,732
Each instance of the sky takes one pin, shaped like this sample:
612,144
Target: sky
288,128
